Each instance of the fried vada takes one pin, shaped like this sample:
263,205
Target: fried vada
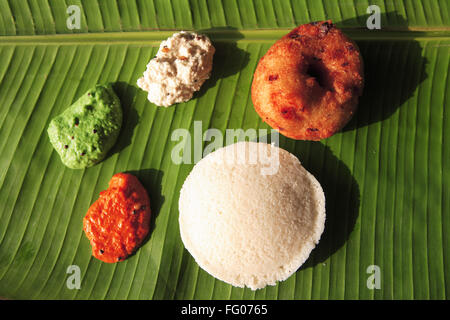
308,83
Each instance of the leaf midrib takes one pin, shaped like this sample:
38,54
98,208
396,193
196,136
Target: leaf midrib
259,35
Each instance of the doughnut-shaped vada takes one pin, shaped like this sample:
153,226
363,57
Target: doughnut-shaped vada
307,84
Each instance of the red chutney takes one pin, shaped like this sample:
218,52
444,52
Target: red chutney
118,222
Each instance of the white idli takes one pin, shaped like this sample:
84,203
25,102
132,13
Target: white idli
247,227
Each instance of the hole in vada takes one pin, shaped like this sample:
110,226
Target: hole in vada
317,70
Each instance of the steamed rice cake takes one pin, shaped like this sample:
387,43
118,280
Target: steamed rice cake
247,227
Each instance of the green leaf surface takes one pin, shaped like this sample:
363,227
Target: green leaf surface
386,176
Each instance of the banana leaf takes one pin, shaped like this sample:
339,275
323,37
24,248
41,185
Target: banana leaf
386,176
